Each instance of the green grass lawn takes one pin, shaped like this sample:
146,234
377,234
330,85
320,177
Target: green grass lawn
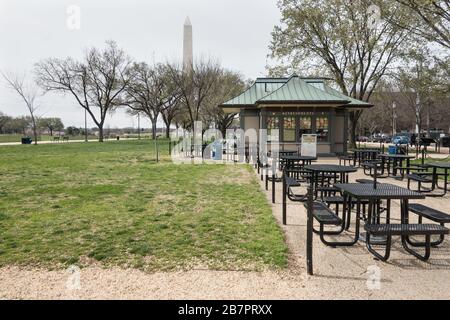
78,203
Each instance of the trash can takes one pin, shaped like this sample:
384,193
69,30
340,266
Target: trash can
217,151
392,150
445,142
26,140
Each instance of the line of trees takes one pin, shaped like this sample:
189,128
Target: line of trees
23,124
107,79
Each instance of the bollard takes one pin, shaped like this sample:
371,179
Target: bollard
156,150
284,196
309,233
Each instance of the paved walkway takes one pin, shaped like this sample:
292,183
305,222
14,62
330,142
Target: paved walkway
60,142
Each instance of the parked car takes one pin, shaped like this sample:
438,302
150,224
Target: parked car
400,140
362,139
377,138
381,138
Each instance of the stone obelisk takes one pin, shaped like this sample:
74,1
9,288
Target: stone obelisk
187,45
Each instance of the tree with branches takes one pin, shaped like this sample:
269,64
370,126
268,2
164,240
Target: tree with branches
97,82
51,124
421,81
432,20
195,87
352,42
149,92
28,93
228,85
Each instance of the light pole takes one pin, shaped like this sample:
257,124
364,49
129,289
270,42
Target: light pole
85,126
139,126
394,118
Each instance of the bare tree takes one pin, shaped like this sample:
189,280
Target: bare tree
380,117
51,124
421,81
145,93
96,83
228,85
4,121
344,39
170,111
152,93
195,87
28,93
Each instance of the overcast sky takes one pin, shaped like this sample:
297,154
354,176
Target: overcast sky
237,32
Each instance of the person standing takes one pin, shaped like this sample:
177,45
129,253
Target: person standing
413,139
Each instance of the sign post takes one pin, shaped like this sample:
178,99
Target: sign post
309,145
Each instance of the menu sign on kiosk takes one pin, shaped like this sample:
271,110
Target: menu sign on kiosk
309,145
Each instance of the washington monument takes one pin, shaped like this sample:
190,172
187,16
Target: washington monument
187,45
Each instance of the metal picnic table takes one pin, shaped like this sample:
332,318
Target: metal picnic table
440,165
288,163
360,155
376,193
394,161
339,173
290,160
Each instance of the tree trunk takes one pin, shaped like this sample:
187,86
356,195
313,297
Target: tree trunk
168,130
34,130
100,134
35,136
154,128
223,130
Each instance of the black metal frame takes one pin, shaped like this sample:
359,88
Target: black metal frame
346,214
406,242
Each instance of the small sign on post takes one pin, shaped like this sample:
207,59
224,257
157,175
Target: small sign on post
309,145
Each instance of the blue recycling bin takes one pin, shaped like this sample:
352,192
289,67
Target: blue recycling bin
217,151
392,150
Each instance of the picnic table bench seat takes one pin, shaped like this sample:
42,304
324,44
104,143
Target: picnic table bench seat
345,158
291,182
333,200
419,178
411,167
429,213
364,181
426,177
325,215
327,188
404,230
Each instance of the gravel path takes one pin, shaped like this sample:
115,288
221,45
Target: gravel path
341,273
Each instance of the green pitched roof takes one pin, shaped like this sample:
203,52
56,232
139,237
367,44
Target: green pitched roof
261,88
353,102
293,90
298,91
